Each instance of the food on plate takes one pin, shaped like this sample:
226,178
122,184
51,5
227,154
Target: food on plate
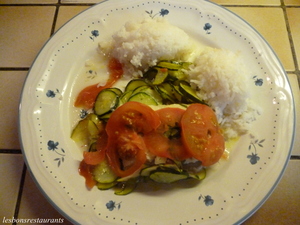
180,103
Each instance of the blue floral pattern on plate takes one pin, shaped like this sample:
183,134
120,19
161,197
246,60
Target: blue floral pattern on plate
52,146
111,205
254,144
207,27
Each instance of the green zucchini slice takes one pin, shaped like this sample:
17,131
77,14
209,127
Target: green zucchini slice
167,177
144,98
124,188
103,173
133,84
106,102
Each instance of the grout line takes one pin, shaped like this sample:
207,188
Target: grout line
14,68
10,151
295,157
48,4
54,20
288,29
18,203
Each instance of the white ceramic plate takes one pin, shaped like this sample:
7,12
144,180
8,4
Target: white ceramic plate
233,190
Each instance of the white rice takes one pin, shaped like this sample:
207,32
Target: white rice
220,75
139,45
223,82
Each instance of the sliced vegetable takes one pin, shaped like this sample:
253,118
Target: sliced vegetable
96,157
189,93
106,186
126,187
85,133
167,177
86,171
106,102
135,83
103,173
165,141
201,134
144,98
126,153
161,76
132,116
200,175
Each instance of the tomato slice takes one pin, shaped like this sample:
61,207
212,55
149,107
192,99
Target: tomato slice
126,153
126,150
132,116
165,141
87,97
94,158
201,134
86,170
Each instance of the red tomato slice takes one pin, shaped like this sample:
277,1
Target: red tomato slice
87,96
201,134
132,116
85,170
165,141
126,148
94,158
125,128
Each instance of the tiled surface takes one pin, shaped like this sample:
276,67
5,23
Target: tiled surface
33,199
292,2
9,106
293,15
26,25
28,1
248,2
271,24
11,166
18,46
66,13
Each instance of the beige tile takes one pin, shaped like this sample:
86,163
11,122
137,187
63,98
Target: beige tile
11,166
270,23
295,88
294,22
27,1
23,31
34,204
10,89
81,1
248,2
292,2
283,206
66,13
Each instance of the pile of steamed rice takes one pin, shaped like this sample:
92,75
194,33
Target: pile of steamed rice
218,75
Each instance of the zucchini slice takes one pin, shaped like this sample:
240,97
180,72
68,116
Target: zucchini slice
103,173
105,186
124,188
143,97
169,65
200,175
133,84
167,177
161,76
116,90
106,102
189,93
146,171
167,92
85,133
125,96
